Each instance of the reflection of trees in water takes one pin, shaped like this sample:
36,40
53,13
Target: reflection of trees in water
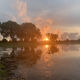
28,55
12,54
52,49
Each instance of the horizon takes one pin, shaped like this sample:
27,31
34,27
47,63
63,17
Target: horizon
63,36
52,16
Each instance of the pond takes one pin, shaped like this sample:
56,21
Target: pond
47,62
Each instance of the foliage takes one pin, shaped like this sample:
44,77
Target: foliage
30,31
4,40
2,72
9,28
52,37
1,66
25,31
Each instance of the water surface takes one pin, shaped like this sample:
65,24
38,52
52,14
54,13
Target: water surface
48,62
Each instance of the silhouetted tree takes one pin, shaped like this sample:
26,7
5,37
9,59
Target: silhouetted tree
52,37
0,27
9,28
30,32
78,39
4,40
25,31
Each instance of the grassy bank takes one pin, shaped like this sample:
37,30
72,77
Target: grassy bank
24,44
3,73
17,44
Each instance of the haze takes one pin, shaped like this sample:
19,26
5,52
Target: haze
56,16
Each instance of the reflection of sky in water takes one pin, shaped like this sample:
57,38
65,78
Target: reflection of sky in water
61,65
5,51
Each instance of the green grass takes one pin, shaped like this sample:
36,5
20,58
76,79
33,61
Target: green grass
25,44
17,44
2,72
1,66
22,44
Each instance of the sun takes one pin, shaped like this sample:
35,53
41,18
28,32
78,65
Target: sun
46,39
47,46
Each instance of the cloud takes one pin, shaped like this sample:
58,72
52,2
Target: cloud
71,36
6,12
65,14
15,10
21,8
44,24
7,17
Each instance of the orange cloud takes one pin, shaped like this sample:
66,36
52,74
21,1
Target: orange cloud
38,18
57,31
44,24
22,10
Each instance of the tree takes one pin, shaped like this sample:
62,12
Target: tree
30,32
0,27
4,40
25,31
9,28
52,37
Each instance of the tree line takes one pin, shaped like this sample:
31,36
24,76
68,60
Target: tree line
24,32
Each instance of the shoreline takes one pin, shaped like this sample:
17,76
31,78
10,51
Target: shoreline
25,44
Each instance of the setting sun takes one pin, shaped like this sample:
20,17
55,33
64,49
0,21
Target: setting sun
47,46
46,39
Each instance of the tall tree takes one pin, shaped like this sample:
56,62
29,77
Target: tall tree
25,31
9,28
52,37
0,27
30,32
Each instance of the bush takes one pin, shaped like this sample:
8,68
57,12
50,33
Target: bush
4,40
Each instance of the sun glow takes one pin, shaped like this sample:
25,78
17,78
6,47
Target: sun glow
46,39
47,46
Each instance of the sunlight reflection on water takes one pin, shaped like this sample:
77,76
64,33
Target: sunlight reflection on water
47,46
48,62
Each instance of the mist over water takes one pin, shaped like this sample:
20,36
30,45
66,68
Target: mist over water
48,62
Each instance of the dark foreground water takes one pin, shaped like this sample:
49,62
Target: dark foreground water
48,62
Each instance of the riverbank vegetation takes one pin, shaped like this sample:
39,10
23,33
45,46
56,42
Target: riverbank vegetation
27,34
